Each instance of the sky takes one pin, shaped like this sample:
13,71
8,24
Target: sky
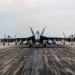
17,15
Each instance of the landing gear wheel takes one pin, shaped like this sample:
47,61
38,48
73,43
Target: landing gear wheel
21,43
3,43
44,45
15,43
37,46
29,45
64,43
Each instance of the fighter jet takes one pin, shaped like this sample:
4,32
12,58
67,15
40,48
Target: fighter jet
70,38
36,39
8,38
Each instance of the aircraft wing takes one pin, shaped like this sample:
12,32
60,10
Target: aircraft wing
23,39
17,39
57,38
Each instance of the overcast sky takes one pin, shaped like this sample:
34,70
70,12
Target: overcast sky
17,15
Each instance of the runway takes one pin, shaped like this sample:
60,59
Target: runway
55,60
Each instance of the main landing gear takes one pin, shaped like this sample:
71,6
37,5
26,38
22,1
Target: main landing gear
29,45
3,43
44,45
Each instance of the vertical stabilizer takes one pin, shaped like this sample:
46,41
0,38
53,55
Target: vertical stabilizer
64,35
15,35
32,31
4,35
43,31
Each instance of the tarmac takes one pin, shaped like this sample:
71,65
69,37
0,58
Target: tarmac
53,60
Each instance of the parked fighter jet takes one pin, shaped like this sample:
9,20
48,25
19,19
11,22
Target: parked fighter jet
8,38
70,38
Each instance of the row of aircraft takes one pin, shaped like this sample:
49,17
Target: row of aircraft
37,39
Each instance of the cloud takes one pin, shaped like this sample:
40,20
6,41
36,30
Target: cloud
26,3
35,6
55,14
17,6
18,3
5,2
51,1
30,3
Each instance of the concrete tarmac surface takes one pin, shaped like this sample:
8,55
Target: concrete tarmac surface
56,60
